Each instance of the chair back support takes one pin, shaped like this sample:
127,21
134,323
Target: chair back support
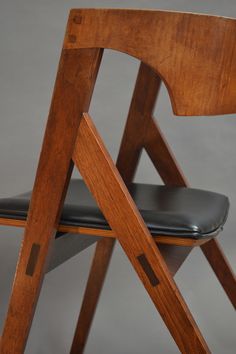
195,55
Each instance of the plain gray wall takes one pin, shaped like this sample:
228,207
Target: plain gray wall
31,34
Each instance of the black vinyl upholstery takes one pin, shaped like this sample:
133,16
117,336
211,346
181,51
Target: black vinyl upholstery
174,211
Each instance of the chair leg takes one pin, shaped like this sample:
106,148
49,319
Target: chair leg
168,169
51,182
103,179
93,290
215,256
24,297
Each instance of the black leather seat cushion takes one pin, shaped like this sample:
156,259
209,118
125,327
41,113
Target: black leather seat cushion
174,211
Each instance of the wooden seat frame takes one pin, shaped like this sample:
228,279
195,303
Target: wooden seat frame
173,48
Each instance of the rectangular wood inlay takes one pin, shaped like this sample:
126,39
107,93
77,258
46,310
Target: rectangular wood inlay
34,253
148,269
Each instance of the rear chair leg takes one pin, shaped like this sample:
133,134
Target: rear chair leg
221,267
94,286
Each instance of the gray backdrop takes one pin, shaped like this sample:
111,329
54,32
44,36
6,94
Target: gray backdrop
31,34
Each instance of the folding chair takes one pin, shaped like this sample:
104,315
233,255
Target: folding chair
157,226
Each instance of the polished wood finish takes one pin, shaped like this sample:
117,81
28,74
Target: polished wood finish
193,54
142,131
165,163
53,174
96,278
141,109
199,72
149,136
105,183
162,157
222,268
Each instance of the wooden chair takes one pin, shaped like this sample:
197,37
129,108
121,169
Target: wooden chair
157,226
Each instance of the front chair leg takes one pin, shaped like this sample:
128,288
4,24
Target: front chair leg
114,200
26,288
221,267
94,286
51,182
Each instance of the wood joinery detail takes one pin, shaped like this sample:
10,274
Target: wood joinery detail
175,45
33,258
148,269
106,185
141,131
170,50
77,67
141,109
150,137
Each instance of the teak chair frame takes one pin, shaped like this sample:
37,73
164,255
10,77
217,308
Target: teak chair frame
71,138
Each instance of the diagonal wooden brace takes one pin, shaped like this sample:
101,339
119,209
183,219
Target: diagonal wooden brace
142,131
105,183
142,106
152,139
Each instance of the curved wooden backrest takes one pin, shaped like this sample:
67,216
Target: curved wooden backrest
195,55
